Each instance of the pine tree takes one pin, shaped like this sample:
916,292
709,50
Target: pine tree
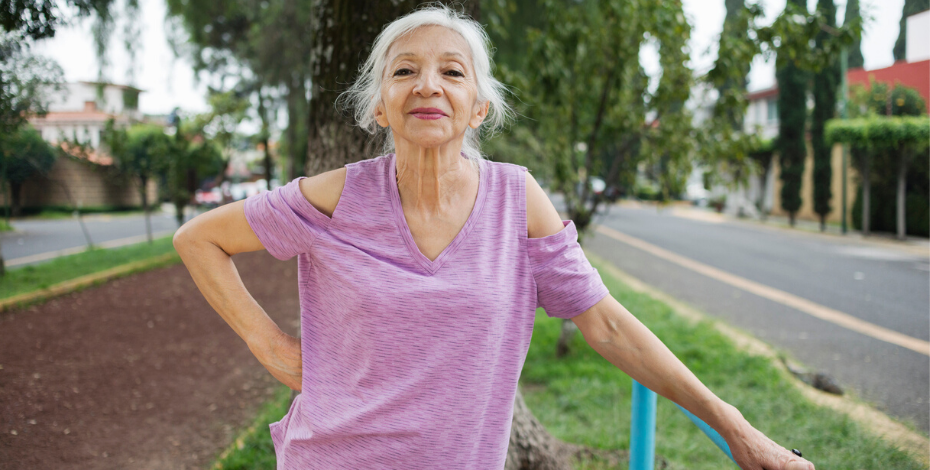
910,7
731,28
825,87
792,116
854,54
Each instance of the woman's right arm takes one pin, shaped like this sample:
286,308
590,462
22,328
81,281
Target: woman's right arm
206,244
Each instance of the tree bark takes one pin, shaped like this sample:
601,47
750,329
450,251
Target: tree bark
531,446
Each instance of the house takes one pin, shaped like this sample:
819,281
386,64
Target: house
85,179
762,117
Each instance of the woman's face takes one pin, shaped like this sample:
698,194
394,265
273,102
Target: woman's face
429,91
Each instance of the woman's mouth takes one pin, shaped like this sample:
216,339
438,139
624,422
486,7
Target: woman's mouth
428,113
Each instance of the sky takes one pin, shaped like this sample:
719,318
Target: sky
170,82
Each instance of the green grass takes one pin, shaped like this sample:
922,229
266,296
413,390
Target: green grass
5,227
584,399
19,280
257,449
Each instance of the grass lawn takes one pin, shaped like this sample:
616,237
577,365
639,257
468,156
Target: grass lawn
5,227
23,279
584,399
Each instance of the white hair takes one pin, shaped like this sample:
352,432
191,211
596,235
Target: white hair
365,94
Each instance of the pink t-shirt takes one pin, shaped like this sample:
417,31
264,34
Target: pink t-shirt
410,363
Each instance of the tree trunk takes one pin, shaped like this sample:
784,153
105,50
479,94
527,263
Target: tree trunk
15,198
145,207
296,128
531,446
902,196
568,331
866,195
263,114
179,212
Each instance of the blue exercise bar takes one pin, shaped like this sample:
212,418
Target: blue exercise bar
643,429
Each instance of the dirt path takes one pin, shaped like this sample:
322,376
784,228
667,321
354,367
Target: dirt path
138,373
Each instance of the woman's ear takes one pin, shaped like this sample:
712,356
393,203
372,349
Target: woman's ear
481,112
380,115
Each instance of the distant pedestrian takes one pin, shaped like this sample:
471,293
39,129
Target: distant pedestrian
419,272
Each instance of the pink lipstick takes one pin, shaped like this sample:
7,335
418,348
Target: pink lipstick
428,113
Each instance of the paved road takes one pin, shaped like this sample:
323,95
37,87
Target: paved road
879,284
36,237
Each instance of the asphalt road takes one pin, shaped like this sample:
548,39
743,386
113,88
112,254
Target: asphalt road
874,282
37,237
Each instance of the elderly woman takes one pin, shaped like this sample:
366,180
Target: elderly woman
420,272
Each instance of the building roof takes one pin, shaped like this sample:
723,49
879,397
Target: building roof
762,94
88,154
912,74
64,117
123,87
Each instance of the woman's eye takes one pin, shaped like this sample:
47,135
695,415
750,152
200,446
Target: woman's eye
402,72
456,73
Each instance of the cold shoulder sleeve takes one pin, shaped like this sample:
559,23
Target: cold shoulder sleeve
566,283
284,220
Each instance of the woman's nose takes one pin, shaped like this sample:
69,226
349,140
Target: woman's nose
428,85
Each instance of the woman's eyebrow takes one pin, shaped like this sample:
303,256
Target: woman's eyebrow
456,55
402,54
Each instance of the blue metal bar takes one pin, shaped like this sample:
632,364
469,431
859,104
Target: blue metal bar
713,435
643,429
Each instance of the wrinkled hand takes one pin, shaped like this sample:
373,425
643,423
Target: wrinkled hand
281,356
752,450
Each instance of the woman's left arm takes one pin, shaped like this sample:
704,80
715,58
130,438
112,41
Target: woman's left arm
623,340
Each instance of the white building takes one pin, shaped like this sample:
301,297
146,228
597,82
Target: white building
762,113
81,110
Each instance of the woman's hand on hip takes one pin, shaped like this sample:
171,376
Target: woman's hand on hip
281,356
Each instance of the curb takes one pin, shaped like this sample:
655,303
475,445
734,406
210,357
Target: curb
88,280
870,418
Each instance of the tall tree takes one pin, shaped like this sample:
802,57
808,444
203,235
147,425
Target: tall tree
792,120
266,45
23,154
26,81
854,53
734,31
826,82
911,7
140,152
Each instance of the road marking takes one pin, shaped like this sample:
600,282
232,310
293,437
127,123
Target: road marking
811,308
80,249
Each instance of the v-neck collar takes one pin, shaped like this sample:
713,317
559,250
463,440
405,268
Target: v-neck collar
432,266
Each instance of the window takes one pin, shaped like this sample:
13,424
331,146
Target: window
771,106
